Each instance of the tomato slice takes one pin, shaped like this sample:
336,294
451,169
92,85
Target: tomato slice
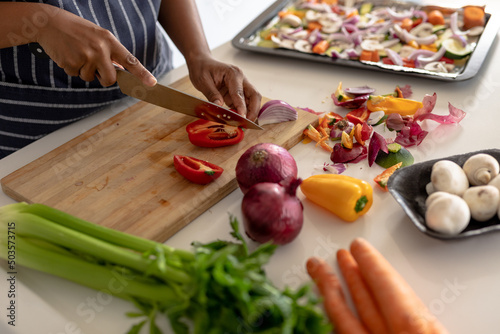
205,133
196,170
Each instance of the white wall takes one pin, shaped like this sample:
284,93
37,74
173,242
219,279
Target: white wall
223,19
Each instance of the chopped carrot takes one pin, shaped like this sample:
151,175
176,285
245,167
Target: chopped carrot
321,46
473,17
398,303
367,55
334,301
435,17
312,133
313,25
362,297
407,23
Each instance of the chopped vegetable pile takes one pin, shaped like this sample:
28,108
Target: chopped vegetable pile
435,40
219,287
354,137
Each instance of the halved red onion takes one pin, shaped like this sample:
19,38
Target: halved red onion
276,111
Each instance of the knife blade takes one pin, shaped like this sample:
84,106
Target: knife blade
179,101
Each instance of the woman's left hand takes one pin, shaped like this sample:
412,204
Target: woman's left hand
224,83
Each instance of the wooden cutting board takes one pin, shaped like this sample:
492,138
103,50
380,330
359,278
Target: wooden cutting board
120,174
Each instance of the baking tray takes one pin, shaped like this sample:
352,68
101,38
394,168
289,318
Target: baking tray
245,40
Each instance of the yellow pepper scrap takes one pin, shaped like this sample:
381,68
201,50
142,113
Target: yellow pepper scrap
339,93
390,104
345,196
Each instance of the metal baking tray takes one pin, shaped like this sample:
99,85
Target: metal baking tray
245,40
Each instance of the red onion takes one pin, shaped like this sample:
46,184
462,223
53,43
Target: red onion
264,162
276,111
377,143
272,212
341,154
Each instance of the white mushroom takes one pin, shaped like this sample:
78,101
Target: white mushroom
495,182
429,188
448,214
448,176
435,195
422,30
481,168
292,20
483,202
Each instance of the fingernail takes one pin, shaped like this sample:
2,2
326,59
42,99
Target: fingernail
151,81
218,102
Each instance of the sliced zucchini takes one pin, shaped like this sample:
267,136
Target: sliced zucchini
455,49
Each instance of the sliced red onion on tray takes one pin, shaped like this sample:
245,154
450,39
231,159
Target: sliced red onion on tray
276,111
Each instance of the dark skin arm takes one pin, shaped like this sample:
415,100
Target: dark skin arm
218,81
84,49
78,46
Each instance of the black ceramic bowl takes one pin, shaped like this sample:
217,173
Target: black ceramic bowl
407,186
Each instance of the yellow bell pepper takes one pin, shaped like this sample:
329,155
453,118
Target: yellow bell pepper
390,104
345,196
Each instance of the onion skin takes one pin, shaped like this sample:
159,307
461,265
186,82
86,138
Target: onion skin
264,162
272,212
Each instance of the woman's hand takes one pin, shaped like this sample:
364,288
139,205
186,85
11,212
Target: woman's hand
224,83
86,50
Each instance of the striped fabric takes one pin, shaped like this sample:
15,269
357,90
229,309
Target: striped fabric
37,97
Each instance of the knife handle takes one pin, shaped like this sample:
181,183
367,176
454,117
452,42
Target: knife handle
38,51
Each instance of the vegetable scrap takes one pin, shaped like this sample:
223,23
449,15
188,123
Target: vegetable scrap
220,285
434,40
356,130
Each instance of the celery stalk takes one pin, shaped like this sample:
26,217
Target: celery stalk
218,287
37,227
109,235
113,281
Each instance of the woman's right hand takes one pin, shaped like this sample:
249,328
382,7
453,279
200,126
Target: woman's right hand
86,50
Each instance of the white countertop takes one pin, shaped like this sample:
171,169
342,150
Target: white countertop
457,280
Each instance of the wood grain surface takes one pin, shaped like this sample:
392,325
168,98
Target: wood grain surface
120,174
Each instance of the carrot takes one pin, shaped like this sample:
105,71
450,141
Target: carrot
367,55
362,297
313,25
400,306
407,24
320,47
334,302
473,17
435,17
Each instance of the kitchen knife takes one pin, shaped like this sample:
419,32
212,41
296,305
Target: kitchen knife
176,100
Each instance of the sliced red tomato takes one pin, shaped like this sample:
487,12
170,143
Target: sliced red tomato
359,115
196,170
211,134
